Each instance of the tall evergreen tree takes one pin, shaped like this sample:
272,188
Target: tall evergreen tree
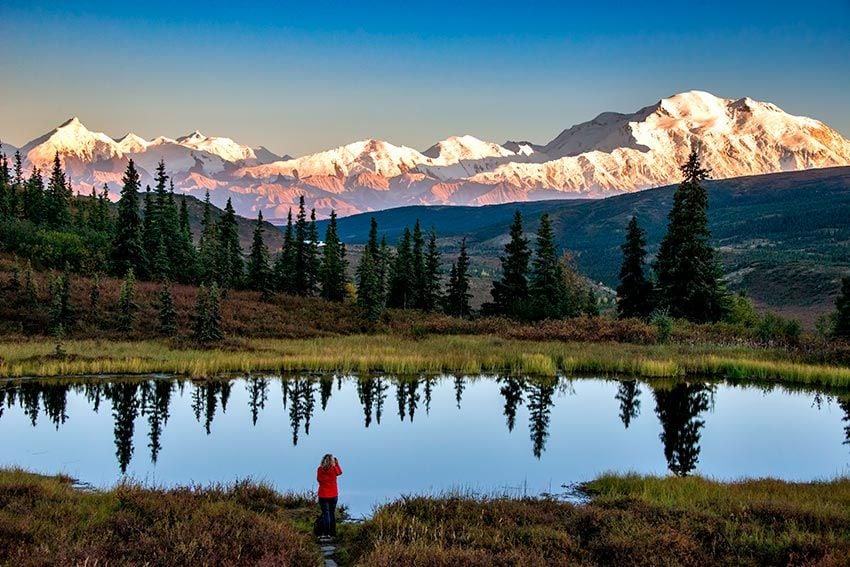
230,263
510,293
57,199
259,272
457,294
402,292
368,287
314,260
333,264
169,222
284,265
32,198
5,185
418,260
842,316
431,287
207,318
100,219
61,311
383,264
127,247
634,294
127,306
208,245
689,274
186,265
167,312
547,289
303,255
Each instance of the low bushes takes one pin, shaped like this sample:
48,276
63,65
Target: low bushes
630,520
45,521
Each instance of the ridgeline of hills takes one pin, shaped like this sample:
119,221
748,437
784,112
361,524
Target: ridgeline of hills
784,238
611,154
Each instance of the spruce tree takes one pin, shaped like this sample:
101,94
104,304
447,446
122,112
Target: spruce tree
100,219
284,265
689,274
186,270
30,287
333,264
301,273
208,245
127,247
634,294
259,272
842,316
368,287
314,260
431,288
61,311
384,261
510,293
230,263
94,298
457,294
16,188
167,312
32,198
547,290
155,251
127,306
419,282
403,279
57,200
207,318
5,186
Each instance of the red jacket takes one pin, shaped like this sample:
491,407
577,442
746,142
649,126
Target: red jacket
327,481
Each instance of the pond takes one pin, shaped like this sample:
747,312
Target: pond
418,435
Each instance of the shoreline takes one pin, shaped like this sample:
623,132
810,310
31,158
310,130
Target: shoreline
626,518
434,354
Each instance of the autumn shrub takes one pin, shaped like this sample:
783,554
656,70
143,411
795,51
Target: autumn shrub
46,521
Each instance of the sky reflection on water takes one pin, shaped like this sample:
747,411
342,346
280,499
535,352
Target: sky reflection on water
420,435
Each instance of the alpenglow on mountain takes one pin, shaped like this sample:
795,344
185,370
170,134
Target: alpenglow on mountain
611,154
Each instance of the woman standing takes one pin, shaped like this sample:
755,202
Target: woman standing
328,493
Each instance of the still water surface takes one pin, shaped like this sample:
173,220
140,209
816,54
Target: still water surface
425,435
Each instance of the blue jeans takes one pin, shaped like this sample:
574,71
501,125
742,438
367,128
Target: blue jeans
328,506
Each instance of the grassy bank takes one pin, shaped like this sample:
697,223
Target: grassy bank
45,521
629,520
431,354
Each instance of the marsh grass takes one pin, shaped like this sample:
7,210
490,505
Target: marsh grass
630,520
432,355
46,521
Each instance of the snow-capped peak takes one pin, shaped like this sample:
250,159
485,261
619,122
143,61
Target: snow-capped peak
70,139
364,156
131,143
457,148
224,148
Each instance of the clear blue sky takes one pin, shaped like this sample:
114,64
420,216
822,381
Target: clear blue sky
304,77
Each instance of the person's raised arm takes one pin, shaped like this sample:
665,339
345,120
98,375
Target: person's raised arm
338,469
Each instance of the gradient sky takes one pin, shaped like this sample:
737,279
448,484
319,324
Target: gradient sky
313,75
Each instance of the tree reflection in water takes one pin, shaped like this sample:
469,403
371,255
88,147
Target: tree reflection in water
628,393
679,407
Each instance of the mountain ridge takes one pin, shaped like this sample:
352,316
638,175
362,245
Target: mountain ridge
611,154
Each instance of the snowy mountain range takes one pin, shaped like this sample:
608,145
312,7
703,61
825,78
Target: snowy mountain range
611,154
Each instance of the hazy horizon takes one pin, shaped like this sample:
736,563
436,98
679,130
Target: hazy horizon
303,79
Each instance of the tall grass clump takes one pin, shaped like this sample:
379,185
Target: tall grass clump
46,521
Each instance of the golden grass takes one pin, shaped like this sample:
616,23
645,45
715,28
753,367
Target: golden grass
433,354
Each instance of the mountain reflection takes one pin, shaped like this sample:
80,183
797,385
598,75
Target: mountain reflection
680,408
